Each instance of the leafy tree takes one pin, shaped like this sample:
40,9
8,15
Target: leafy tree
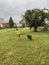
35,18
11,23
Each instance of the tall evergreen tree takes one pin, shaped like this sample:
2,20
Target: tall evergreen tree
11,23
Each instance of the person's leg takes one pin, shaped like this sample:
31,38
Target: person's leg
19,36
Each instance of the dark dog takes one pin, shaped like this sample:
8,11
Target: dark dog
29,37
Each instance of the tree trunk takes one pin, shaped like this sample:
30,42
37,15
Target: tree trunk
30,28
35,29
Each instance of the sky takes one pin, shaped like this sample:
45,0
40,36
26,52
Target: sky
16,8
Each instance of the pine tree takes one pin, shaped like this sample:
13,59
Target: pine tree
11,23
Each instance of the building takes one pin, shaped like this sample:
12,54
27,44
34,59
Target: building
1,22
19,25
45,10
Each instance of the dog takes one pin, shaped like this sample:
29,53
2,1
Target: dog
29,37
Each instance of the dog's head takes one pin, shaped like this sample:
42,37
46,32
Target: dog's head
29,37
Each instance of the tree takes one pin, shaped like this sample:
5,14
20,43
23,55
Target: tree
35,18
11,23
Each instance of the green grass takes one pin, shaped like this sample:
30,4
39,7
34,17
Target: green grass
14,51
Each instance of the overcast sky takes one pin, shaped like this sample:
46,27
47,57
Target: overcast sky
15,8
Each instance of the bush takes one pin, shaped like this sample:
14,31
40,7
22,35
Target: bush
6,25
0,27
45,27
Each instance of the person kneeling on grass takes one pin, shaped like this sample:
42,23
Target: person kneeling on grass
18,33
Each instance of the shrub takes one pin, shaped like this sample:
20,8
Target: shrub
0,27
45,27
6,25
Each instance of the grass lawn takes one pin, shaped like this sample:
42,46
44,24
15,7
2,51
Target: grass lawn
14,51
